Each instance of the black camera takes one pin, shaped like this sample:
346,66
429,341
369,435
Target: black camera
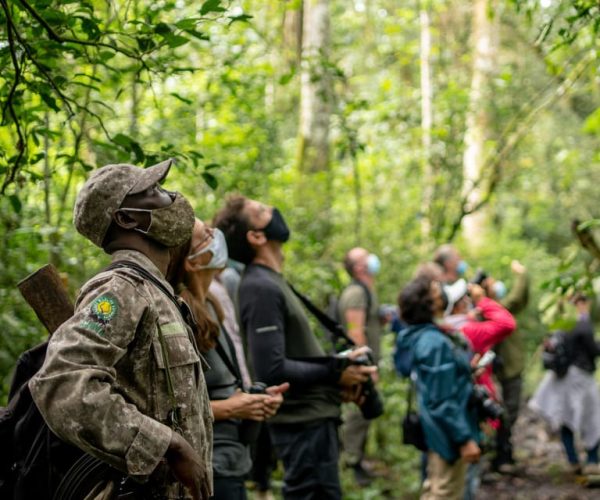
480,277
250,429
372,406
485,405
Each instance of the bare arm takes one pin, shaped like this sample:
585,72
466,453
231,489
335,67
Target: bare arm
355,320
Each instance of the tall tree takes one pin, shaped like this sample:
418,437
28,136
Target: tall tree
316,89
485,47
426,117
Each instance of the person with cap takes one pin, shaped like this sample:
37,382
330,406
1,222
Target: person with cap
485,323
283,348
122,379
482,320
358,310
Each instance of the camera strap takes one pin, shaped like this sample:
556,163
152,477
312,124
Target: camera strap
229,360
230,363
329,323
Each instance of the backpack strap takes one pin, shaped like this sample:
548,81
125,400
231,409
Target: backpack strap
175,412
127,264
230,363
367,294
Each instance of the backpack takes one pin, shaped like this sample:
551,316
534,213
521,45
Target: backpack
558,353
33,460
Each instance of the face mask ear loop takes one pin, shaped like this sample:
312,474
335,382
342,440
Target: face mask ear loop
141,210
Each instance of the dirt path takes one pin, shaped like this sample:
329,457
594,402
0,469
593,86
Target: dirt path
545,475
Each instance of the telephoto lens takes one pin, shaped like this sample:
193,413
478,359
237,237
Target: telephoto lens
250,429
372,406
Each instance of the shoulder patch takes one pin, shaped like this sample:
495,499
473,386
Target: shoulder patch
93,326
104,308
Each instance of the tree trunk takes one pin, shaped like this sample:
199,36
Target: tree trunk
426,119
292,33
313,192
315,91
485,40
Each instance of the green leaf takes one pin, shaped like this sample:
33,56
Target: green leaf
592,123
35,158
90,28
122,140
211,6
198,34
162,29
241,18
187,24
145,43
212,166
105,55
287,78
175,41
131,146
15,203
210,179
49,100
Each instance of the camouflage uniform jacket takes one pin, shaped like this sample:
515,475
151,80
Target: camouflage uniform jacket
103,385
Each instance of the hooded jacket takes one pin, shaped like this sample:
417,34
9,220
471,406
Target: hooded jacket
444,387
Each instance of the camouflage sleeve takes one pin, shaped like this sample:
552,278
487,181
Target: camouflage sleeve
75,389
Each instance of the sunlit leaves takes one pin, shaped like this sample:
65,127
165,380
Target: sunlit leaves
50,40
211,6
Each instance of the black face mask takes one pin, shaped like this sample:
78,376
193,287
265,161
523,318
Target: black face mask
276,229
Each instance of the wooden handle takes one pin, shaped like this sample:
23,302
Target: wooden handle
45,292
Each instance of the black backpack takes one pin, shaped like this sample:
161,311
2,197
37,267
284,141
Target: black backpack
558,353
33,459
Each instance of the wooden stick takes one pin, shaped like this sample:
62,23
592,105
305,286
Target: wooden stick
45,292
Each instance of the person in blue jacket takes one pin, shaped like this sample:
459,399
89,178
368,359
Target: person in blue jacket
440,364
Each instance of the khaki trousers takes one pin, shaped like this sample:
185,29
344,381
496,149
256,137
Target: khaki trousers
354,435
444,481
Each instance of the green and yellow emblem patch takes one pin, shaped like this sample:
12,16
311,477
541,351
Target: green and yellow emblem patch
105,308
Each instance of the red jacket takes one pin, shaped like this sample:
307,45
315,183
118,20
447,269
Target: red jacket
497,324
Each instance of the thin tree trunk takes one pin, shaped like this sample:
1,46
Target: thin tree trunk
315,92
314,186
426,119
292,33
484,64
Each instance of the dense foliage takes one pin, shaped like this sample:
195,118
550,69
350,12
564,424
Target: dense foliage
218,85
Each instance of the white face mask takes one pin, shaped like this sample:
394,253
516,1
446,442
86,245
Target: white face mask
218,248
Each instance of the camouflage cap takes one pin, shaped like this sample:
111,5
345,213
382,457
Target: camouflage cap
104,192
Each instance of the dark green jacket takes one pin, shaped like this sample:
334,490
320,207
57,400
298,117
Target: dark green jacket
511,351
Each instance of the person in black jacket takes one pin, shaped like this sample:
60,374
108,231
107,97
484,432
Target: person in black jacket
283,347
571,403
